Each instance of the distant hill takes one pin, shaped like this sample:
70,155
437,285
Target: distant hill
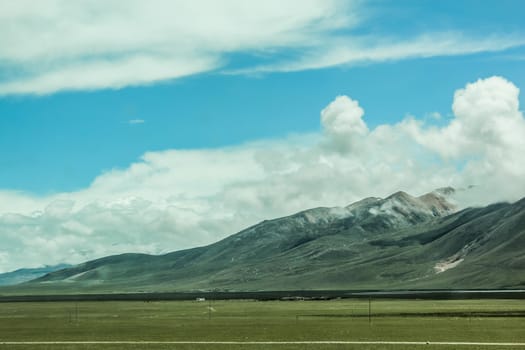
24,275
399,242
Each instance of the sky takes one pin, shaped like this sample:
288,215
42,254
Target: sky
154,126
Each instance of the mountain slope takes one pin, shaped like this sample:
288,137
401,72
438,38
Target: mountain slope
24,275
397,242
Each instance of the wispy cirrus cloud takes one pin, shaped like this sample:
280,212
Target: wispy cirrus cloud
54,45
351,51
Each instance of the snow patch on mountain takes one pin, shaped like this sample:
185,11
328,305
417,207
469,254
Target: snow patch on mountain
326,215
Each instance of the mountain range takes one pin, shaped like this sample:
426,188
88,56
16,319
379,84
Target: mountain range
399,242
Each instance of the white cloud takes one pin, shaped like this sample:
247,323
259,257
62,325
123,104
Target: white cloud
136,121
104,73
181,198
487,120
53,45
354,50
343,123
487,135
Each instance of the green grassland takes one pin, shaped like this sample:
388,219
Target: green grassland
245,321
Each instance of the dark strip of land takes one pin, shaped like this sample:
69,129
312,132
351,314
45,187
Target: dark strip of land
277,295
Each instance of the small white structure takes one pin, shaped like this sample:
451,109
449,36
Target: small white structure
200,299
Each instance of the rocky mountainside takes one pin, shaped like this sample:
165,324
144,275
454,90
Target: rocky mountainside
397,242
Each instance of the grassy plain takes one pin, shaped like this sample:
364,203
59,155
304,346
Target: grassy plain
254,321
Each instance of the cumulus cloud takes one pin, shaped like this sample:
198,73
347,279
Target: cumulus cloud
487,135
342,121
53,45
487,119
178,199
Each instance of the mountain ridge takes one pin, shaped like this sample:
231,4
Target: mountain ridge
400,241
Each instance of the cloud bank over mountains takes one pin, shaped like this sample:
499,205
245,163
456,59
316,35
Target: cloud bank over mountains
56,45
178,199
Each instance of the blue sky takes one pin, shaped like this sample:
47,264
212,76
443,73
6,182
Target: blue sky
68,138
105,101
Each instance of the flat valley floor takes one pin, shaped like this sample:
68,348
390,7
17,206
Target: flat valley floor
237,324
